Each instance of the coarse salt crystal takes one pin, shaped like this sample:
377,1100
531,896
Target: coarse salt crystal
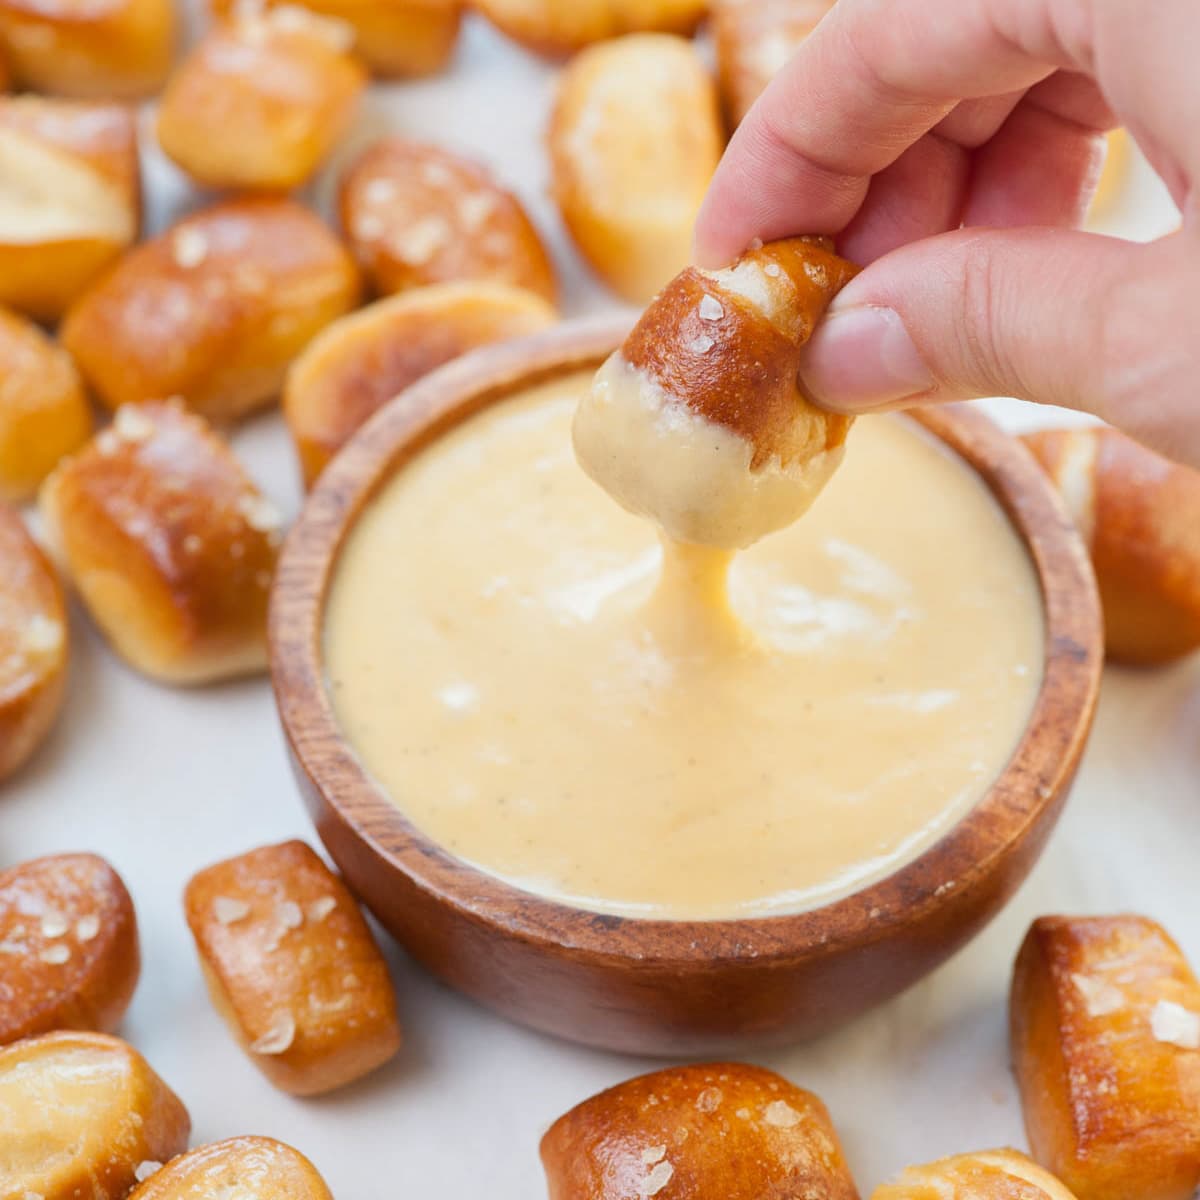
318,910
774,270
756,244
1175,1025
380,191
54,925
368,227
192,544
781,1114
420,243
87,929
132,425
56,956
278,1038
702,345
260,513
146,1169
743,1113
711,309
654,1154
709,1099
290,914
229,911
475,208
189,248
658,1179
1099,998
43,635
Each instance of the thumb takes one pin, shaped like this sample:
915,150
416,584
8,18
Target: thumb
1074,319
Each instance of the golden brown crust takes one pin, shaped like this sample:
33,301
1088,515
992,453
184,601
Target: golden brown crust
103,50
261,100
634,139
252,1168
69,937
33,644
395,38
293,968
708,345
556,29
755,39
44,413
987,1175
1105,1026
214,309
1140,514
418,215
81,1112
70,176
685,1133
369,357
170,544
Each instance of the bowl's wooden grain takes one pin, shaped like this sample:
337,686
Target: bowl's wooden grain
672,987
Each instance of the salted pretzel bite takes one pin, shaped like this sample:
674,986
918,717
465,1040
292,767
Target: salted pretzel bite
1139,514
248,1168
170,544
685,1133
698,421
1105,1031
987,1175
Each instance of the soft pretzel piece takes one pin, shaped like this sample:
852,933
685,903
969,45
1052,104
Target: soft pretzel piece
698,421
418,215
1140,517
1116,171
686,1133
261,100
634,140
44,413
395,38
214,309
70,198
83,1115
248,1168
1105,1015
362,361
755,39
101,50
33,644
170,544
70,945
293,969
988,1175
554,28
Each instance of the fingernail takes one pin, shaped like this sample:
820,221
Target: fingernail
862,359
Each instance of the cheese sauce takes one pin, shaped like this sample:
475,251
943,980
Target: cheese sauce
560,701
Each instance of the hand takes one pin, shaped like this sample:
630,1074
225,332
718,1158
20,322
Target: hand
952,146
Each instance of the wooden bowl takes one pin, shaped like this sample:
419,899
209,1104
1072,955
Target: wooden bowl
672,987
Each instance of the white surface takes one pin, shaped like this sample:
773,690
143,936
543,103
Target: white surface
165,782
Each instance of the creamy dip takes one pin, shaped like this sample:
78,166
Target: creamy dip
556,699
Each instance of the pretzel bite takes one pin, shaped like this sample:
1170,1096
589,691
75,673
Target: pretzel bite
698,421
554,28
44,413
262,99
33,644
755,39
70,940
634,140
395,38
989,1175
170,544
248,1168
1105,1023
101,49
83,1118
367,358
417,215
214,310
293,968
1140,517
70,198
724,1129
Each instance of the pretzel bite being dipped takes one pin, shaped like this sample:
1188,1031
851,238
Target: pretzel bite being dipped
1105,1028
1139,514
293,969
725,1129
170,544
557,29
98,49
70,942
83,1118
698,421
755,39
70,198
213,310
418,215
371,356
634,140
33,644
261,100
988,1175
44,413
244,1168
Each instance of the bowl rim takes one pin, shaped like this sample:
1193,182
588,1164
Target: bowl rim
1036,775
